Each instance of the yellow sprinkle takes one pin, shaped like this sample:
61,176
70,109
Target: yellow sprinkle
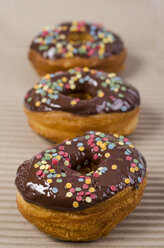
121,143
45,87
50,91
44,162
37,103
69,194
64,79
47,76
73,102
114,167
92,189
35,86
115,135
49,180
46,166
85,69
99,142
73,86
100,35
103,146
81,148
111,75
107,81
101,94
66,162
44,100
51,170
58,157
107,154
97,133
115,90
58,175
36,165
127,180
75,204
88,181
68,185
68,142
131,146
42,167
136,168
88,199
132,169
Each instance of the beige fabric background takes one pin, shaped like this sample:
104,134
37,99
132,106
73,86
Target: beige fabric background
141,25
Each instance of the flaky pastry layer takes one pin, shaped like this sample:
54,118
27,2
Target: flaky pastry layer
58,125
86,225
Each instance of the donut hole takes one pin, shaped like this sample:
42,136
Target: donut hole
85,166
78,37
84,169
81,95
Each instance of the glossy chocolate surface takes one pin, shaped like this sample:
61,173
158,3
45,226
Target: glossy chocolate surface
107,91
53,178
54,43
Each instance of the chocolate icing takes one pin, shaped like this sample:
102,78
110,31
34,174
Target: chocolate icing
52,178
53,43
109,93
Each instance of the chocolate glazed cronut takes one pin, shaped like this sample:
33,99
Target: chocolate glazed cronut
56,178
77,44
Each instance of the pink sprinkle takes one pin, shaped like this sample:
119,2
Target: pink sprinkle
126,139
87,178
50,147
54,161
92,196
44,33
90,141
69,166
77,99
78,198
61,147
105,139
87,193
85,186
95,149
38,155
92,145
43,175
113,188
39,172
128,158
92,136
95,156
67,86
111,97
26,96
61,153
72,190
96,174
90,52
133,165
65,154
81,193
67,159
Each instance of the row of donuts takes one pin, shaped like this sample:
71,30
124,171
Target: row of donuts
92,179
